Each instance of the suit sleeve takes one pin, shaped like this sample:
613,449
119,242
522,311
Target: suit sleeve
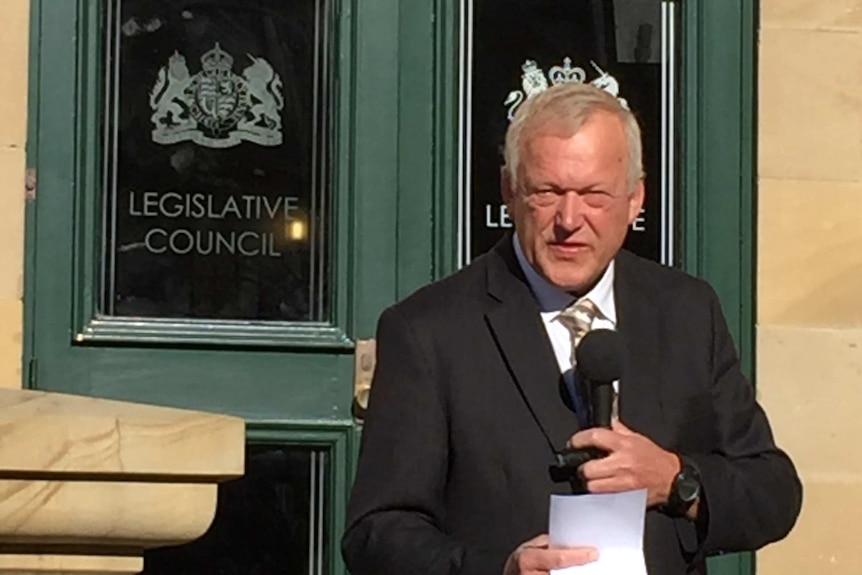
395,511
750,487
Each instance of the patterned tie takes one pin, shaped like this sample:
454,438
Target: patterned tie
578,319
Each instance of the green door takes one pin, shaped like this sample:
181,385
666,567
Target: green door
229,194
230,191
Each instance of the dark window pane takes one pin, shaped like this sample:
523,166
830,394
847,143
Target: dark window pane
217,181
625,46
272,521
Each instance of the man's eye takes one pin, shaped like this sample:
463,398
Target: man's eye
546,196
597,198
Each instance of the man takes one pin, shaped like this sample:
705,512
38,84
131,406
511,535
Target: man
473,391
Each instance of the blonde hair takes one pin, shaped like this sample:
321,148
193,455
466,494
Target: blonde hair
568,106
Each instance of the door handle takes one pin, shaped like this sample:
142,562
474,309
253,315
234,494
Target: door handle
364,361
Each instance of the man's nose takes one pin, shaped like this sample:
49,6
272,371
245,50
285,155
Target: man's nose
570,211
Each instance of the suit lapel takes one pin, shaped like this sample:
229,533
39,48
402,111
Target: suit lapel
638,321
514,320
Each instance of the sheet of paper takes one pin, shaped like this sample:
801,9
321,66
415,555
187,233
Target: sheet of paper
613,523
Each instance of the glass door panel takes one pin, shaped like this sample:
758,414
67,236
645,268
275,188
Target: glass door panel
512,48
216,196
275,520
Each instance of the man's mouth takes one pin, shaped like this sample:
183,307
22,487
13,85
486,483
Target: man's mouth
568,247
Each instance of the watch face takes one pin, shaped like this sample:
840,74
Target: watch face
688,487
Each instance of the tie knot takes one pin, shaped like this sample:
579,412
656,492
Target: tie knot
578,318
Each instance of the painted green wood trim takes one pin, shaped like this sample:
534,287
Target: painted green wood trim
89,184
446,137
288,387
428,142
718,178
50,122
343,160
212,333
30,235
338,442
342,57
372,187
415,145
749,41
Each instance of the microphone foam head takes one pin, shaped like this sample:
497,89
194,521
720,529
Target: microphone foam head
600,355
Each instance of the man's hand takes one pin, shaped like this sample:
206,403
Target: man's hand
535,558
634,462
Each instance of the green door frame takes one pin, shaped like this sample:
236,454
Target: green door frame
399,156
719,240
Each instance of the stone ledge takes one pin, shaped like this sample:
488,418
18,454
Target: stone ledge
57,433
108,479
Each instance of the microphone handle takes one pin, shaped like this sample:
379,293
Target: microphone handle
574,458
567,461
603,403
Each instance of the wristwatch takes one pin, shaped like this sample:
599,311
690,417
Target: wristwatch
685,489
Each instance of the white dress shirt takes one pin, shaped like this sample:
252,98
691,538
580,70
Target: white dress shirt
552,300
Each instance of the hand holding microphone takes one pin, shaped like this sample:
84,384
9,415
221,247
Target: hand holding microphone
608,457
599,358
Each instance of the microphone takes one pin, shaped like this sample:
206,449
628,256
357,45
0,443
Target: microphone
599,357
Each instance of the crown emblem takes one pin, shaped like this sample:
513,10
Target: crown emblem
217,108
217,61
566,74
534,81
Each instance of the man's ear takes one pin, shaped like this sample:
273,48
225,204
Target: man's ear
636,201
507,190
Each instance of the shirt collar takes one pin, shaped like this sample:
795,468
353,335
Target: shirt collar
553,299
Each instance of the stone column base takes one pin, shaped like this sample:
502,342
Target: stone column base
69,565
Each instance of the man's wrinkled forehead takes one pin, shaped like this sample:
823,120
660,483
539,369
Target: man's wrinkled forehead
564,127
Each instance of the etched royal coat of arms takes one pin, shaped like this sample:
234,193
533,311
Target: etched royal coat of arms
534,81
217,108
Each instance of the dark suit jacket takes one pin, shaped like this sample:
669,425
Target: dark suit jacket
465,414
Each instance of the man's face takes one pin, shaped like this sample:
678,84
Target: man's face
575,206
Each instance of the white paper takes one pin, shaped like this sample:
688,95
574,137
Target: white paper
612,522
